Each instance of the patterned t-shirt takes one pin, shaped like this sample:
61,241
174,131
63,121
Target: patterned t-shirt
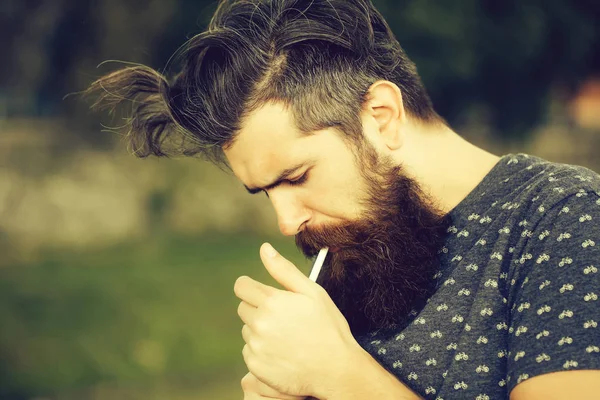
518,291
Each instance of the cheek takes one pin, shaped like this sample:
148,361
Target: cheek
338,196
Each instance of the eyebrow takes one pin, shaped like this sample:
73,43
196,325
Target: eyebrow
282,177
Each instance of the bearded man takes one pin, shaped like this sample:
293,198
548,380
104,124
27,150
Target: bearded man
452,273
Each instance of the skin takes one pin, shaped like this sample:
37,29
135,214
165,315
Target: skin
447,168
445,165
279,322
257,158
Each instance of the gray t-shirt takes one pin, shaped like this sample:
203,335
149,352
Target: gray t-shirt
518,291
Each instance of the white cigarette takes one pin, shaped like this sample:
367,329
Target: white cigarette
314,273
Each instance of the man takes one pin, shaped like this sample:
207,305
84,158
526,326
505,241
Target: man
453,273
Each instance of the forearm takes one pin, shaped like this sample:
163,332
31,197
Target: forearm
364,378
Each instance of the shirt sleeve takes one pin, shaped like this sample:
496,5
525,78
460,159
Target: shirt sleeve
554,290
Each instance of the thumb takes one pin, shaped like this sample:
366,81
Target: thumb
284,272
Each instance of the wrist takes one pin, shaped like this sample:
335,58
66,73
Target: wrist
362,377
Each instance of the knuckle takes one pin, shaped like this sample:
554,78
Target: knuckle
260,326
273,301
255,346
249,359
245,333
247,382
245,354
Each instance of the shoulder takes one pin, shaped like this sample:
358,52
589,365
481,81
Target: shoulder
551,183
579,384
541,188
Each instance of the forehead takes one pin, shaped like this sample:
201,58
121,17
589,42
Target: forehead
267,142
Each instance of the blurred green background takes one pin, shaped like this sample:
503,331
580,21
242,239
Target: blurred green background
116,274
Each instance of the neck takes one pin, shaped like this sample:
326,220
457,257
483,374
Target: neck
446,166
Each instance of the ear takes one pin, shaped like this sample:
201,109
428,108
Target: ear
386,107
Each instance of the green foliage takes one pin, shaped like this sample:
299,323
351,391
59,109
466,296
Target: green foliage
500,59
136,311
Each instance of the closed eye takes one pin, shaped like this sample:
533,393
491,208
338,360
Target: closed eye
299,181
296,182
292,182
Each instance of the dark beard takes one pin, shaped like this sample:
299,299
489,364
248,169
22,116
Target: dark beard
385,261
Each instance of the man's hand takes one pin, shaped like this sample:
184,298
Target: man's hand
255,390
297,341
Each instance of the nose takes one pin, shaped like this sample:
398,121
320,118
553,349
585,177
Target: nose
291,214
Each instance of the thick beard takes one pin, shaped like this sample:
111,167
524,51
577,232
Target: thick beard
384,262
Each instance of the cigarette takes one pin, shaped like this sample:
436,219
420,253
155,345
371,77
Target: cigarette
314,273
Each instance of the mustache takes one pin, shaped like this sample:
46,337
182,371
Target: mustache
383,262
339,236
371,233
378,270
352,239
354,242
346,238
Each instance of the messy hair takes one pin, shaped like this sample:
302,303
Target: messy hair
316,57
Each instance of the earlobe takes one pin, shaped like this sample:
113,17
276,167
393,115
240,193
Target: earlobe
387,109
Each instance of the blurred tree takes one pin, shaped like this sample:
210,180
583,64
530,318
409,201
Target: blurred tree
498,59
502,58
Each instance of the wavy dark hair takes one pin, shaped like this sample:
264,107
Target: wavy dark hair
317,57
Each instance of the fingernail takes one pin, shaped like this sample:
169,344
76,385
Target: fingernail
270,251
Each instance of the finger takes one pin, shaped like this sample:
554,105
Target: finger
252,291
285,272
246,353
246,334
252,385
255,396
246,312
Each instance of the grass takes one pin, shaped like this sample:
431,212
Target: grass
151,314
